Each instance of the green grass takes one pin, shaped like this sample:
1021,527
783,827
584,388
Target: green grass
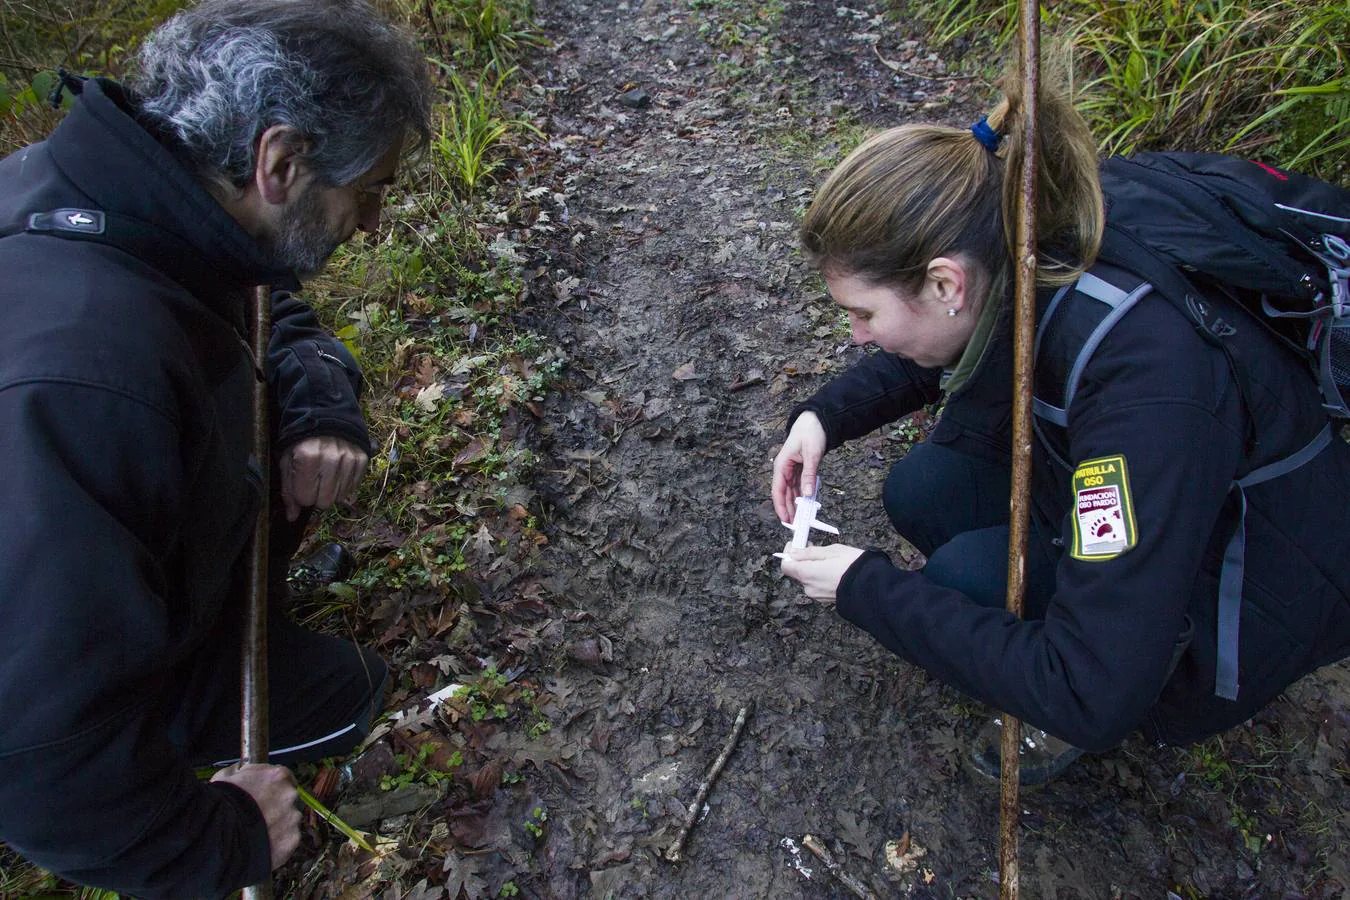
492,33
1262,79
474,126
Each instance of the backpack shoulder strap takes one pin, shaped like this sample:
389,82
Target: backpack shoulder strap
1076,321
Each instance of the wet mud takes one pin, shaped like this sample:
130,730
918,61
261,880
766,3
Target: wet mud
686,150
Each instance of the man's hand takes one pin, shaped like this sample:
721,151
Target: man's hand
273,789
820,569
320,471
795,466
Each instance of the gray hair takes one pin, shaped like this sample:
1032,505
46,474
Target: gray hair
216,76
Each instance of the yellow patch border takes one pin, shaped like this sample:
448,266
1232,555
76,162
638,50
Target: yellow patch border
1080,473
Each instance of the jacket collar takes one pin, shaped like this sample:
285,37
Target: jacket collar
119,165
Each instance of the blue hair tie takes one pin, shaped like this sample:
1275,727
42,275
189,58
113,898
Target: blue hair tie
986,135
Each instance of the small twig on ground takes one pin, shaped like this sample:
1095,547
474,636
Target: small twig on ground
748,382
21,66
896,67
675,852
812,843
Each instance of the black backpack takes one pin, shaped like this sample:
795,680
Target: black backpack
1276,242
1198,226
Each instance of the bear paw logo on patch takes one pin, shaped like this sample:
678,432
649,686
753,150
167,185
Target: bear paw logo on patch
1102,527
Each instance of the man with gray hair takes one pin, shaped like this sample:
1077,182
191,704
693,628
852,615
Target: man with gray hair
258,136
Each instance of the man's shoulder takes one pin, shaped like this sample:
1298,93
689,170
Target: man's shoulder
85,312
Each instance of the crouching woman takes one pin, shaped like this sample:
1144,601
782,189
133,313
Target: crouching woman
1131,517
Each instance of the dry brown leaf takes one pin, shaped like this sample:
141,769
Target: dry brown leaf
475,451
426,370
483,542
487,779
684,373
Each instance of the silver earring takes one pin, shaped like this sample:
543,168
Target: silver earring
951,312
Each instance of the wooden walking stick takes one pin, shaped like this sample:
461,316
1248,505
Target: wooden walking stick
1024,323
253,681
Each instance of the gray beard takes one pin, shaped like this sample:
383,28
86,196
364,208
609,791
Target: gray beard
303,244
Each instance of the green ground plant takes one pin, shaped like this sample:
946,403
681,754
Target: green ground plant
473,127
739,32
418,768
1267,79
490,33
534,823
733,23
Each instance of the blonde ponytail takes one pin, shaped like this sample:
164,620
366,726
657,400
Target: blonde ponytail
916,192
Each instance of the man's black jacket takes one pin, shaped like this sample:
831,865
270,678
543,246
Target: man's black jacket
1096,667
127,496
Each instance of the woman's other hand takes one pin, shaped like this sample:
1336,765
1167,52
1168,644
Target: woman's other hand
820,569
796,465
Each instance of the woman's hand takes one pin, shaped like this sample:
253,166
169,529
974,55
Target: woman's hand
795,466
820,569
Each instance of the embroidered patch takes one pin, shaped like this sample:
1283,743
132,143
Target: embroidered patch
1103,513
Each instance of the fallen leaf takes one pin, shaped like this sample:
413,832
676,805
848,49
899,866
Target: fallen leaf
487,779
325,784
600,735
402,350
444,621
472,453
470,825
855,834
684,372
426,370
429,396
588,653
463,878
483,542
423,891
655,408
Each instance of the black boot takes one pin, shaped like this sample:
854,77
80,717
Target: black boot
1043,755
330,563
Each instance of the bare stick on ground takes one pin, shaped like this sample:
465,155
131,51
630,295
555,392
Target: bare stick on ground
812,843
675,852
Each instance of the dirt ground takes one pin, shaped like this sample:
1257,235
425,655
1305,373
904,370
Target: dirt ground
686,157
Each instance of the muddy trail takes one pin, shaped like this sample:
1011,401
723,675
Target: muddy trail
688,139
